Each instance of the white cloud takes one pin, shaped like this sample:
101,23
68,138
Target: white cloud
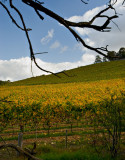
55,45
14,69
85,18
48,37
89,42
17,69
88,58
63,49
115,38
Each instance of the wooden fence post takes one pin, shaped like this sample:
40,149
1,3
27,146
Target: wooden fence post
20,141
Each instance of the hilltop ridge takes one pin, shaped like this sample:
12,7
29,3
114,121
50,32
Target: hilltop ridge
94,72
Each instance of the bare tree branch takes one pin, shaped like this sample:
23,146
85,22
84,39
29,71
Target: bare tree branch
84,2
115,1
64,73
5,144
38,7
96,27
68,24
40,16
13,20
123,2
40,53
116,26
20,150
61,20
29,41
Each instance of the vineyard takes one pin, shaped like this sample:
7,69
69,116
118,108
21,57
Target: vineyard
91,112
41,108
54,103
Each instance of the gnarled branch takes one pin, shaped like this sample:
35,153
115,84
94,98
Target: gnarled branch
20,150
68,24
38,7
32,55
13,20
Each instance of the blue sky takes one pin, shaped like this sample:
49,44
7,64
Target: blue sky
48,35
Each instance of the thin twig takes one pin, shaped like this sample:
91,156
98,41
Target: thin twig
4,143
13,20
29,41
68,24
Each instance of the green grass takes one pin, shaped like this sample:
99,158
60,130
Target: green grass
85,153
53,153
69,156
94,72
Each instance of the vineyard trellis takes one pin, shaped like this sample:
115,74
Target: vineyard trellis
51,105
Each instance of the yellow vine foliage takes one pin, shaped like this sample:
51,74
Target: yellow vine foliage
53,103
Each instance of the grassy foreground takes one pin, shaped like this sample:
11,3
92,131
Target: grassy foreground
53,153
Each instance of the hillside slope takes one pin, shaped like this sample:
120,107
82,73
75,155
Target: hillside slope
94,72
